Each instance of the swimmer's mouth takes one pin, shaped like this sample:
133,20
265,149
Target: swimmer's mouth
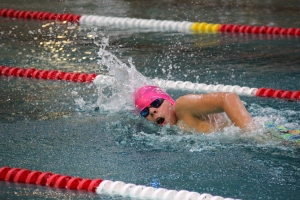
160,120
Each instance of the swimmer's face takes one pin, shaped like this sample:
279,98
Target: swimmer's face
164,114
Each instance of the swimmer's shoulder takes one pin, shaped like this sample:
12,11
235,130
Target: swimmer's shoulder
181,106
187,100
182,103
185,105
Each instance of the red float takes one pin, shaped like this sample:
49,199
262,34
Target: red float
39,15
45,74
48,179
269,92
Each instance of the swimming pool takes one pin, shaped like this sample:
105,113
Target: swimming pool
57,126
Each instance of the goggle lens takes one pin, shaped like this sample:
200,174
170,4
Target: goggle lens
155,104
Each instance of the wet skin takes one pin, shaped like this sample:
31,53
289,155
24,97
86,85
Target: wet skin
202,112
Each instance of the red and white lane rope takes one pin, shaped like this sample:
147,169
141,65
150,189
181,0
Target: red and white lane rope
99,186
46,74
193,87
243,91
48,179
163,25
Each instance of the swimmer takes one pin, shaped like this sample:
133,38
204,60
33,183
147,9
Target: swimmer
200,112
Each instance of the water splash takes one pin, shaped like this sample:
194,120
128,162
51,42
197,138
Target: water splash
117,94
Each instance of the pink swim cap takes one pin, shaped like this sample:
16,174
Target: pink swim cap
147,94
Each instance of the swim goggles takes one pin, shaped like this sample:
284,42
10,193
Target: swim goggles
155,104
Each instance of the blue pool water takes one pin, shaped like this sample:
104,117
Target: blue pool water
72,129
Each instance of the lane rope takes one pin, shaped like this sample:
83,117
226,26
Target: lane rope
163,25
99,186
167,84
45,74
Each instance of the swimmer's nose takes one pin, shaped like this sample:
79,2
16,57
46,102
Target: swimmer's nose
152,111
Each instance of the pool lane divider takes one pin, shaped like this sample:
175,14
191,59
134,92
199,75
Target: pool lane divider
46,74
163,25
47,179
57,75
99,186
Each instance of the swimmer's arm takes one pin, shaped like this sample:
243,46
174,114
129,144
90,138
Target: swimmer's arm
205,104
